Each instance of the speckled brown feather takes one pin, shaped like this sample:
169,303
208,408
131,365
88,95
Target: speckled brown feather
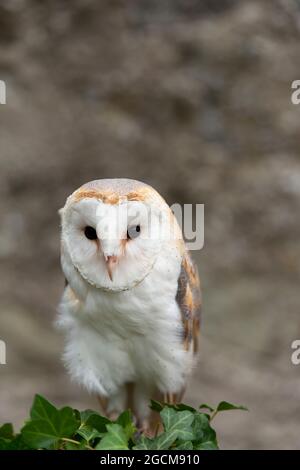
188,298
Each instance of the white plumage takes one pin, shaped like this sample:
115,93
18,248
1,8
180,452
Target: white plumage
130,310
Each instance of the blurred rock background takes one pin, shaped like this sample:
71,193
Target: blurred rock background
193,97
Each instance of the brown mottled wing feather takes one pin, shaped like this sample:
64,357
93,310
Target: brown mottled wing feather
188,298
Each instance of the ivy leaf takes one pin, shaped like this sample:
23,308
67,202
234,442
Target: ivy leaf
16,444
156,406
183,407
204,406
202,430
209,445
84,415
73,446
4,444
98,422
88,433
186,445
48,425
125,420
165,440
178,422
224,406
42,434
115,439
67,423
6,431
77,414
185,428
145,443
42,409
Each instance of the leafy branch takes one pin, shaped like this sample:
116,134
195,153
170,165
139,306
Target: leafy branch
184,428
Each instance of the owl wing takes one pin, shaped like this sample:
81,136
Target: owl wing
189,300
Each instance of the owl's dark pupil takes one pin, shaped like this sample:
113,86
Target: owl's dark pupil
133,232
90,233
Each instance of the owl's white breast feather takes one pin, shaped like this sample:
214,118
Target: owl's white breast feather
131,336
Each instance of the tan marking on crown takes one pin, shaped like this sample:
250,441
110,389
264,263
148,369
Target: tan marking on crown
110,197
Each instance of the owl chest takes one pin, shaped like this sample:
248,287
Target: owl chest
135,311
130,336
133,340
129,315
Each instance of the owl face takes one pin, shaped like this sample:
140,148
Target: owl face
113,246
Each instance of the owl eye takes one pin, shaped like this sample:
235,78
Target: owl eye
133,232
90,233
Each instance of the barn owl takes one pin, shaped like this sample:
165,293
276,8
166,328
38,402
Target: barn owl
131,306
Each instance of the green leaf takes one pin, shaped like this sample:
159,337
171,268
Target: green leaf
145,443
204,406
42,409
167,414
156,406
165,440
4,444
178,422
177,425
84,415
224,406
77,414
126,421
202,430
185,428
67,423
88,433
71,446
186,445
209,445
48,425
115,439
183,407
16,444
38,434
98,422
41,434
125,418
6,431
93,425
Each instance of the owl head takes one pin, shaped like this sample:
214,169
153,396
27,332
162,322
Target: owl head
113,230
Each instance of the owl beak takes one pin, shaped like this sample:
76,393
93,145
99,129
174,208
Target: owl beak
111,262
